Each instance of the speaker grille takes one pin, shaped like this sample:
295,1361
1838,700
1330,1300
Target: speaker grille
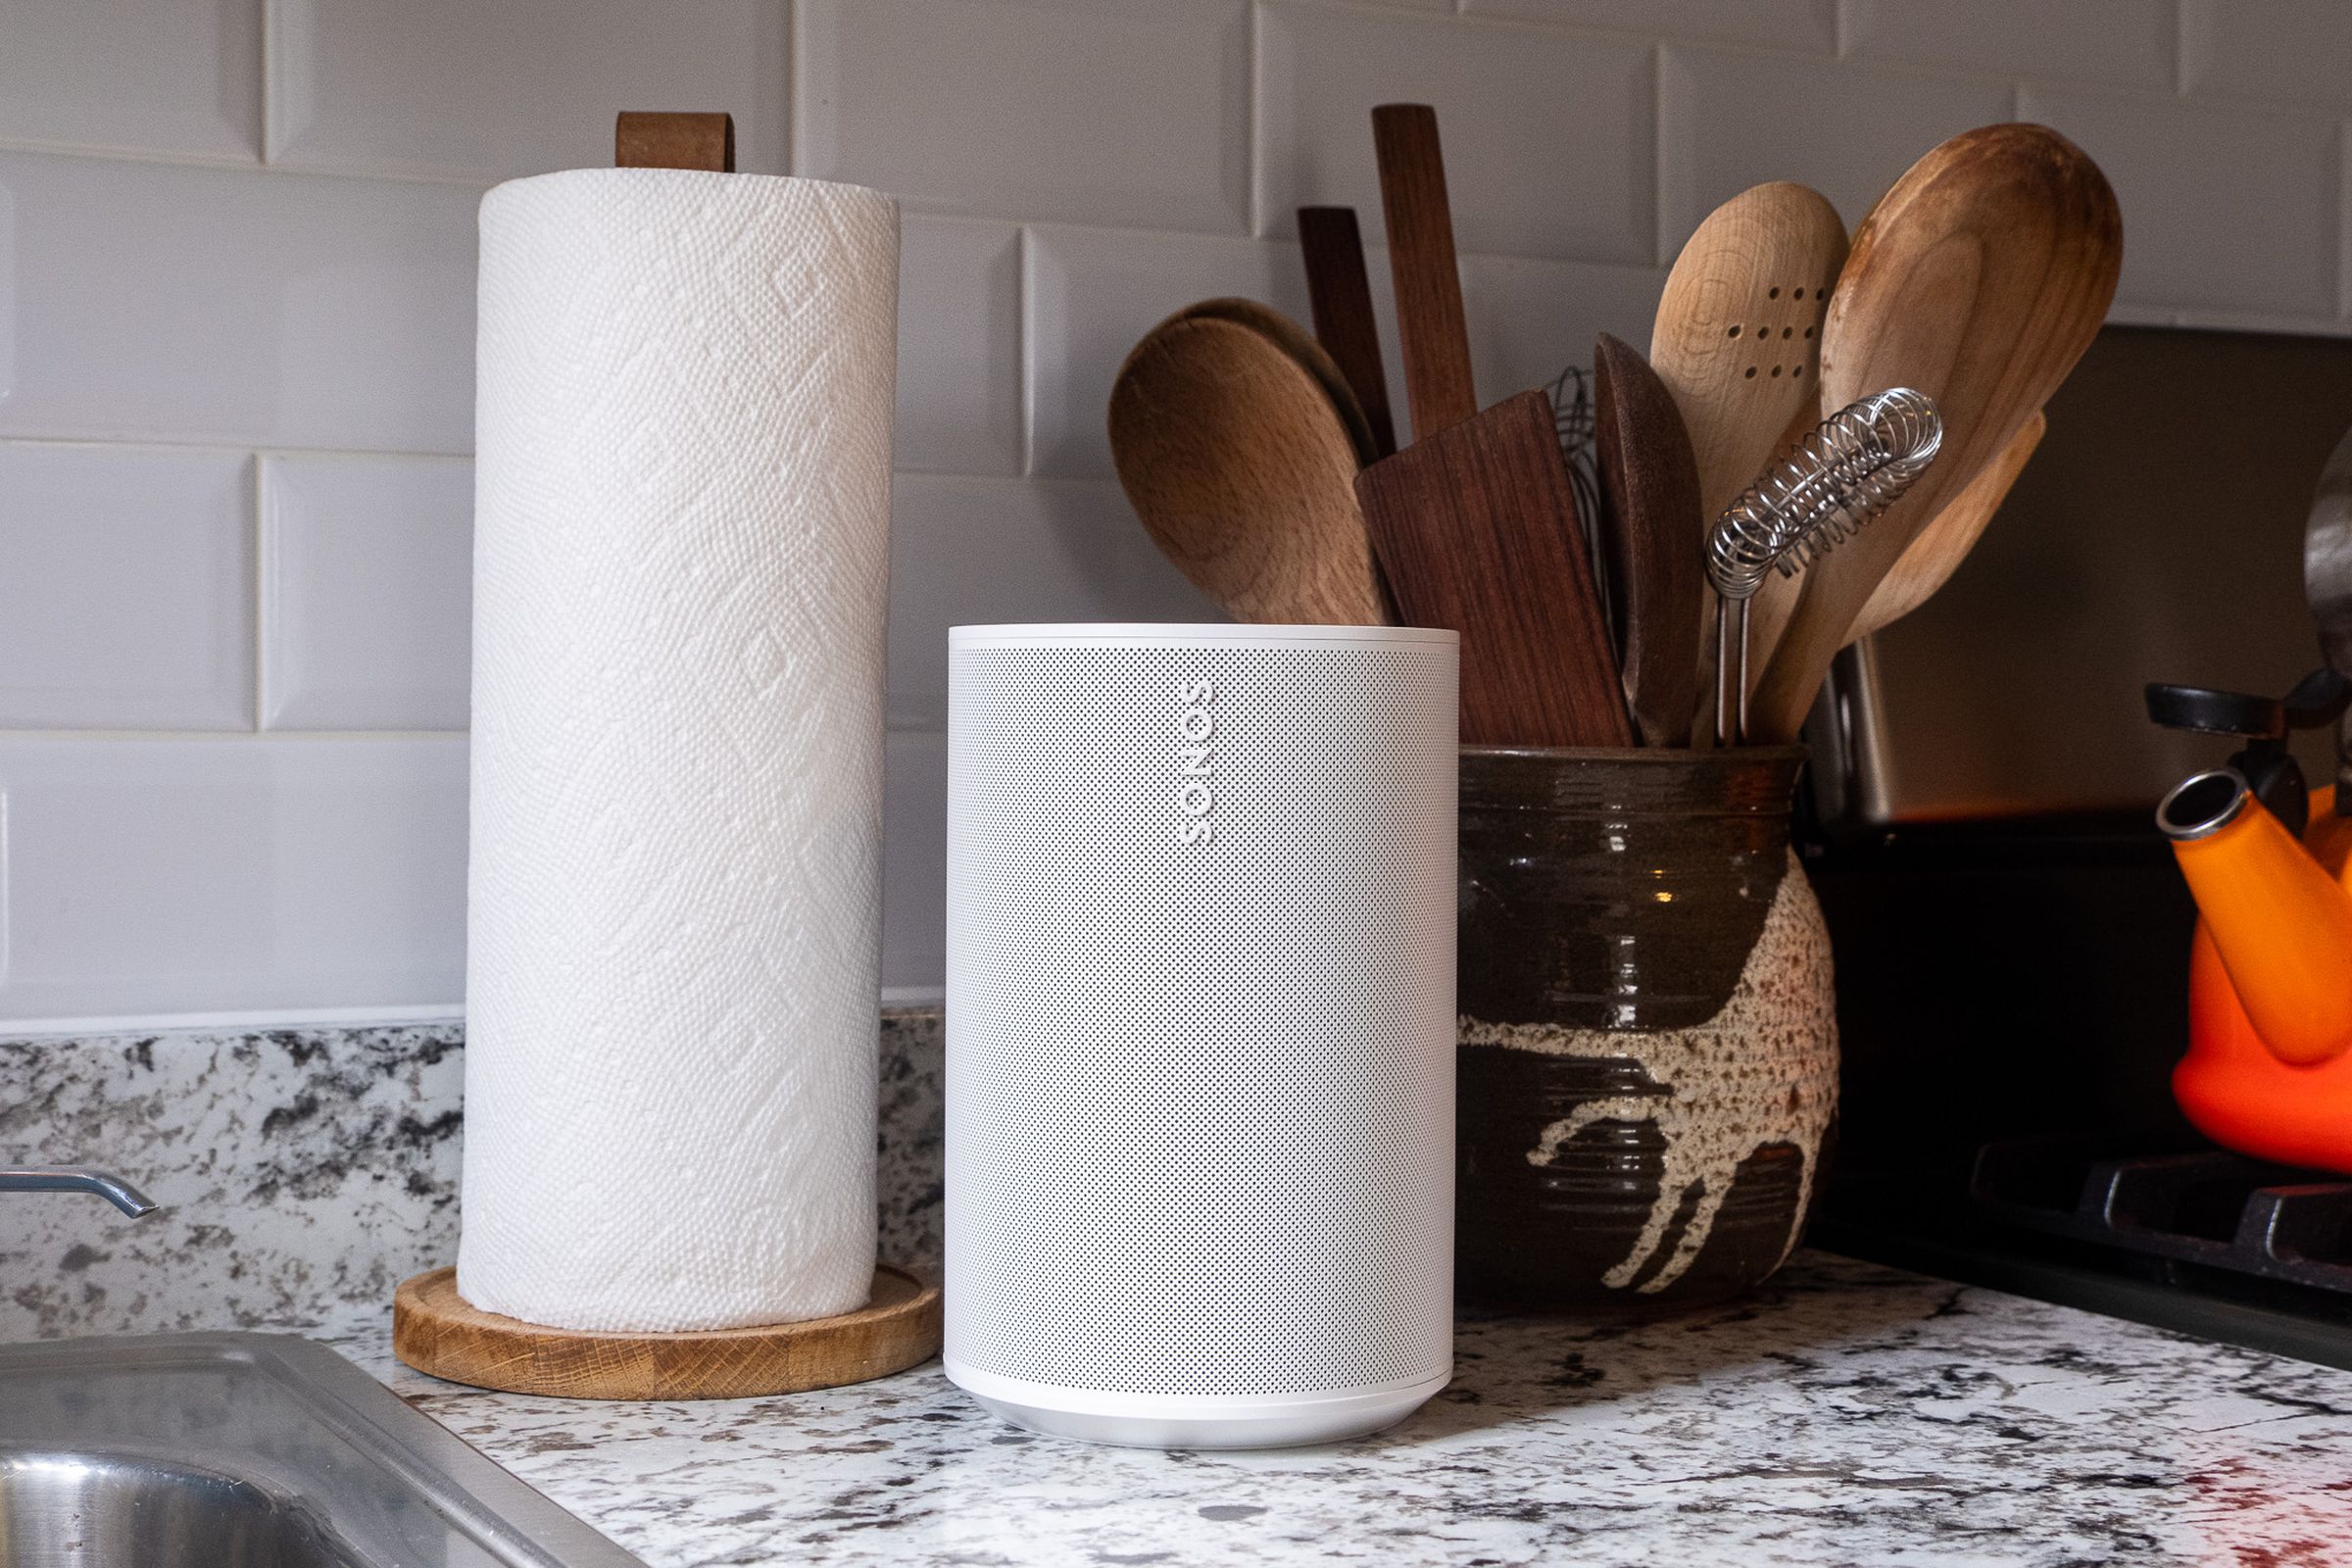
1199,1094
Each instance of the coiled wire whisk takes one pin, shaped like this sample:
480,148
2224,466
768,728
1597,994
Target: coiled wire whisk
1854,465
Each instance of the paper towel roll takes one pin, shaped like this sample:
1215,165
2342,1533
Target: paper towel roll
682,500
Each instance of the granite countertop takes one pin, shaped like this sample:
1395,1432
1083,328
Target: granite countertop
1850,1414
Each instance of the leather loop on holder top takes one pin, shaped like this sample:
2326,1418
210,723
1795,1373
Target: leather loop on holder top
675,141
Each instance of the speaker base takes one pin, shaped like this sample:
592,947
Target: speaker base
1195,1421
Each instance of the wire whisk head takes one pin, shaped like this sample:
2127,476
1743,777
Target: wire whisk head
1852,467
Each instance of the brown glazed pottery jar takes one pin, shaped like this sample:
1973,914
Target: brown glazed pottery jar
1648,1037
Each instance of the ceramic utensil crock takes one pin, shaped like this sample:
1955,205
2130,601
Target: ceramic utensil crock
1648,1046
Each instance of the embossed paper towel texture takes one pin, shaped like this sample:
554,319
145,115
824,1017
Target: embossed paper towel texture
682,502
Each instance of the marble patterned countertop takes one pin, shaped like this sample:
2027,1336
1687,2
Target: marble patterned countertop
1850,1414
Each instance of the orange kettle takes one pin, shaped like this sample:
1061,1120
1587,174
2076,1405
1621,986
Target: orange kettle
2268,1069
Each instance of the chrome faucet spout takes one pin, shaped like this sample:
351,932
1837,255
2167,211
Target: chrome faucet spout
79,1179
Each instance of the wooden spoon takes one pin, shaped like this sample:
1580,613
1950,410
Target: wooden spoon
1736,338
1652,540
1738,341
1243,474
1978,278
1944,543
1301,345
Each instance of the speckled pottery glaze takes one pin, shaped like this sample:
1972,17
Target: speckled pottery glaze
1648,1037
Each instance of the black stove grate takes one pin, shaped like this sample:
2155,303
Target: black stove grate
2209,1208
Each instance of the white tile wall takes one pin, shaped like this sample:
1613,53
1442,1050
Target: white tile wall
236,345
915,863
367,592
463,90
164,303
959,347
2291,50
183,79
125,588
222,875
2128,43
1108,112
1847,130
2200,229
1547,134
1803,25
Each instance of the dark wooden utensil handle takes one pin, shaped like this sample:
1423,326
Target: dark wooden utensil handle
1341,293
643,140
1429,290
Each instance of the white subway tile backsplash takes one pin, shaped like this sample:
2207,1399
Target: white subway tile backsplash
125,588
1548,137
2295,51
1113,112
211,876
457,88
131,76
915,861
2128,43
974,552
959,347
367,592
1092,292
1801,24
186,304
186,347
1740,119
2227,209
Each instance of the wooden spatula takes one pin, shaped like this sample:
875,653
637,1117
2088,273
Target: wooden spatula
1978,278
1944,543
1653,542
1340,294
1475,523
1476,529
1242,473
1429,288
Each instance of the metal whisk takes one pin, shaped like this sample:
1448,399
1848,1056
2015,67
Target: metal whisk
1854,465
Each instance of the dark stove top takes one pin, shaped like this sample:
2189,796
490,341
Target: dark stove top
2197,1240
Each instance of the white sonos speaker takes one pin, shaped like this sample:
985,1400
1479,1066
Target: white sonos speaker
1201,1028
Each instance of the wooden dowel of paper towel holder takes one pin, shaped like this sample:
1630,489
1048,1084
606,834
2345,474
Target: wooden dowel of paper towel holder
675,141
436,1330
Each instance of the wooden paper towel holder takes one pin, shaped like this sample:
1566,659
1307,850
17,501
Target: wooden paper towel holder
675,141
436,1330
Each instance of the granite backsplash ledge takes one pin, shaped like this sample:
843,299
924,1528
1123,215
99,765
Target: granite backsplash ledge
303,1172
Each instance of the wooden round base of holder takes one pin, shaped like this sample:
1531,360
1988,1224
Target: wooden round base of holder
436,1330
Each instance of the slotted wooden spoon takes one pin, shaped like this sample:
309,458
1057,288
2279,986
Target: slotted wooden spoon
1243,474
1738,341
1978,279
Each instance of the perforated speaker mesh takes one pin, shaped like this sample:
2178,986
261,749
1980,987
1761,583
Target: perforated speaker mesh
1200,1085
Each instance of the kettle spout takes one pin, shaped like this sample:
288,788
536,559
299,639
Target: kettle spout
2280,924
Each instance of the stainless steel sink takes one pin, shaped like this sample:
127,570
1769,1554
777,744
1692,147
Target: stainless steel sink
250,1451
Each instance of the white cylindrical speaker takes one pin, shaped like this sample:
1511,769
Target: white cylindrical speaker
1201,1028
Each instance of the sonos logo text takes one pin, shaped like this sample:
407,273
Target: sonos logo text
1196,763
